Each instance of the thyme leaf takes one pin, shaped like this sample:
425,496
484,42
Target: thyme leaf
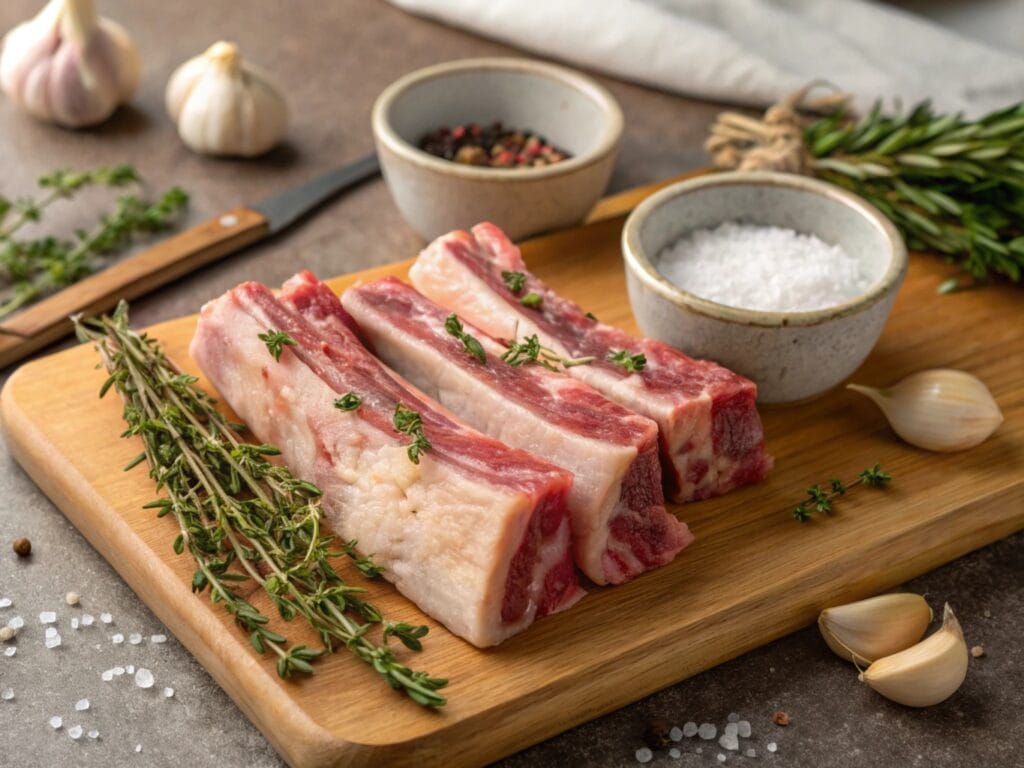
276,341
243,518
408,422
632,363
514,281
819,501
529,351
532,300
453,325
350,401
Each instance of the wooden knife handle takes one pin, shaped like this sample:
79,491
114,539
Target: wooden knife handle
47,320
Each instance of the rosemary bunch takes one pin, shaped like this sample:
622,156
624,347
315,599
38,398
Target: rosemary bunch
951,185
243,518
36,267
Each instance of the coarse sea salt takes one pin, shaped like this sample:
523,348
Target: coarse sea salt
75,732
644,755
134,638
16,623
81,705
764,268
158,639
47,617
707,731
6,602
8,694
690,729
10,651
144,678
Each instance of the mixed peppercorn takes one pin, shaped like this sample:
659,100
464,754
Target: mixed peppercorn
493,146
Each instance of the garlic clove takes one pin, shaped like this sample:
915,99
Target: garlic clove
924,674
869,629
68,65
224,106
939,410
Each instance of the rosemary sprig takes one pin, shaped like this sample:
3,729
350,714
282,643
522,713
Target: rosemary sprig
529,351
276,341
453,326
37,267
632,363
242,517
408,422
820,500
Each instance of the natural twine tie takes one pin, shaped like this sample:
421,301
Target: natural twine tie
776,141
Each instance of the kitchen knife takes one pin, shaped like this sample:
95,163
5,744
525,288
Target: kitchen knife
47,320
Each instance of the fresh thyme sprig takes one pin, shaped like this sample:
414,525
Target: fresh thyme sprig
514,281
408,422
243,518
37,267
820,500
453,325
529,351
276,341
632,363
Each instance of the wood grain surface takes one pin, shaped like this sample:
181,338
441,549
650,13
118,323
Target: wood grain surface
752,575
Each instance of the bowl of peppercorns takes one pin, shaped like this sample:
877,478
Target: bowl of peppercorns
525,144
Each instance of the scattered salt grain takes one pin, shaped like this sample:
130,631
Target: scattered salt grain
106,618
47,617
676,734
707,731
107,676
94,734
644,755
130,669
81,705
699,750
733,717
729,740
7,633
134,638
8,694
75,732
72,598
675,753
118,671
16,623
52,642
721,757
168,693
751,753
56,722
138,747
690,729
158,639
10,651
744,729
143,678
761,267
87,619
772,746
117,639
5,602
74,623
51,632
732,728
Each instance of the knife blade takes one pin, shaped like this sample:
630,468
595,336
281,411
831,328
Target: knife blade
47,321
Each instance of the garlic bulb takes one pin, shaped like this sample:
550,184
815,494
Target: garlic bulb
924,674
68,65
869,629
939,410
223,106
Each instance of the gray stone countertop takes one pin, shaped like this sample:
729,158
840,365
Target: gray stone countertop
334,58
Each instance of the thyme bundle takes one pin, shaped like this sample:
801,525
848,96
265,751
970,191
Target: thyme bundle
951,185
243,518
820,500
31,269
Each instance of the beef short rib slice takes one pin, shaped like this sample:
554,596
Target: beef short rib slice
476,534
619,522
711,437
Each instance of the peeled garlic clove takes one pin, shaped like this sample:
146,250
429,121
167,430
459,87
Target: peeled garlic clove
224,106
939,410
68,65
924,674
879,626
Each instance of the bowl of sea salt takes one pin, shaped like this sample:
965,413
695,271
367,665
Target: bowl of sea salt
784,279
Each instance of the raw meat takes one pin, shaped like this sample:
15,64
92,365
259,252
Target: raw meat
619,523
710,432
476,534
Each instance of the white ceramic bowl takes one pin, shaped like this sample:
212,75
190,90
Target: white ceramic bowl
434,195
789,355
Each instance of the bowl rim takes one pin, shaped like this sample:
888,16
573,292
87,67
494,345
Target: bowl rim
641,265
607,142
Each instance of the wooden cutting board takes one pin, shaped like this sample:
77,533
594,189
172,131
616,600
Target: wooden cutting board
753,574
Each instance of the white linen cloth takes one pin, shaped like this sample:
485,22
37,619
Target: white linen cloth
753,51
